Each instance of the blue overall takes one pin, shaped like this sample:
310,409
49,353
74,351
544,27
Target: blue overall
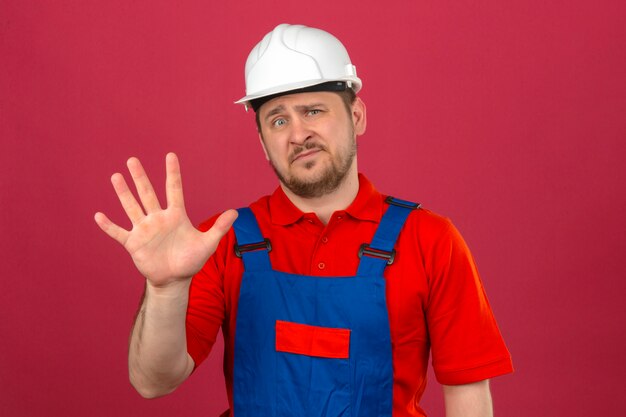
314,346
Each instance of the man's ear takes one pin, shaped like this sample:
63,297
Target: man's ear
263,146
359,116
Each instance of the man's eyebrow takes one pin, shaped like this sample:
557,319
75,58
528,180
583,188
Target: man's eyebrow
274,111
300,108
304,107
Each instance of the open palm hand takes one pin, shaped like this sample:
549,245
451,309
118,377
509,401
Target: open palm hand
163,243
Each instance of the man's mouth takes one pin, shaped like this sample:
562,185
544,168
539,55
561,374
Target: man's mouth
304,154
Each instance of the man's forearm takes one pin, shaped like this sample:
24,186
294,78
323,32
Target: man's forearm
469,400
158,361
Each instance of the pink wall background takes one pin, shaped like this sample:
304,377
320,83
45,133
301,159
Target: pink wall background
509,117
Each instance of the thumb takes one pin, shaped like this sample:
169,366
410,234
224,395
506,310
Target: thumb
221,226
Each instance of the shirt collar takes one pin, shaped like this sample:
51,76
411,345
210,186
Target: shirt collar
368,205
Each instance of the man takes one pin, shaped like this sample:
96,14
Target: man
330,296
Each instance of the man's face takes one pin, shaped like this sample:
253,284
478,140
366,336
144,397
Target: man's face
310,140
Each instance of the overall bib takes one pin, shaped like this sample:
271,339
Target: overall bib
310,346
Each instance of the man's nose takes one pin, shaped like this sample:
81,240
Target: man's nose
300,131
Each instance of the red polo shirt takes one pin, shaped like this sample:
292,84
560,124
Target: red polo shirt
435,298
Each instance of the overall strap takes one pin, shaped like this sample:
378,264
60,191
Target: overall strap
380,252
251,246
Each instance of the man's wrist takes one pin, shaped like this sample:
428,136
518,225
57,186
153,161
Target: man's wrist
171,289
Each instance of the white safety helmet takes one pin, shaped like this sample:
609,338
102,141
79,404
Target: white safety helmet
296,57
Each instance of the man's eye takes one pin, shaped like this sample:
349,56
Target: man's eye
279,122
314,112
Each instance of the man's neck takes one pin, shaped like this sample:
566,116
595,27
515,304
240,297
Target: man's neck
326,205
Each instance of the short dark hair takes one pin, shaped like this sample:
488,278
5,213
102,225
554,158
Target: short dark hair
348,96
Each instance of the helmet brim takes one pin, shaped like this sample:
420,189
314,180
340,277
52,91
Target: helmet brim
354,82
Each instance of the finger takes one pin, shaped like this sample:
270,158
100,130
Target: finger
220,228
173,182
110,228
129,203
144,187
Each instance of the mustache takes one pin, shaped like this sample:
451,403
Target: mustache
305,147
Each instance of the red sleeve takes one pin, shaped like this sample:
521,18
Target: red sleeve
205,311
465,340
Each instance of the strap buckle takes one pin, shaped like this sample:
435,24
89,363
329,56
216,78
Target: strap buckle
402,203
366,249
250,247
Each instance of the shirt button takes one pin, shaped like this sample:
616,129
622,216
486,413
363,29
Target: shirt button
325,239
321,265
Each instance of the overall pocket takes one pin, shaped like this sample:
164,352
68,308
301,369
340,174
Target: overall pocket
312,370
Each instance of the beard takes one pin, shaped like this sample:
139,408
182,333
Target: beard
328,180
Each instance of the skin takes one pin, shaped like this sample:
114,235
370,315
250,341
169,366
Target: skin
308,138
468,400
318,121
168,251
